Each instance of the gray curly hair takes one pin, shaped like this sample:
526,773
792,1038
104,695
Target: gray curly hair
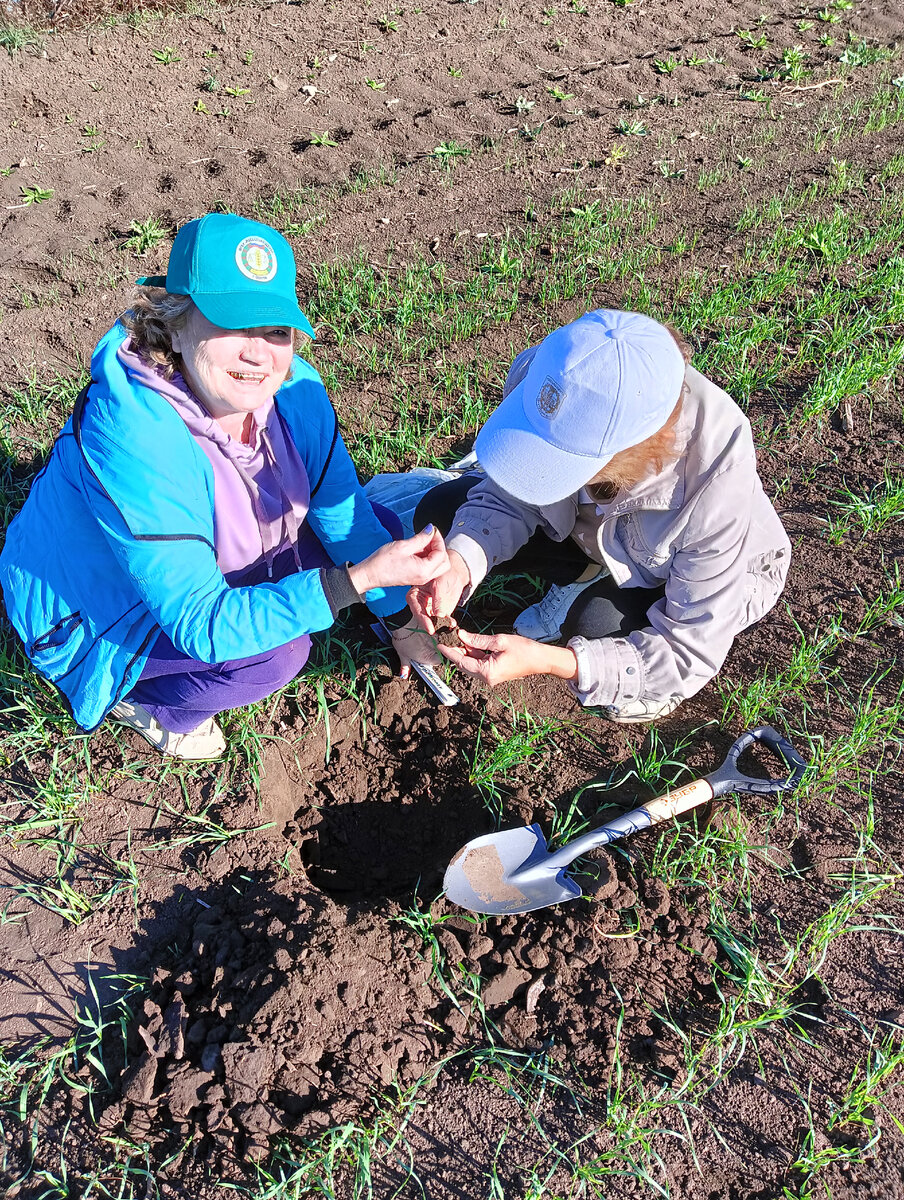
153,319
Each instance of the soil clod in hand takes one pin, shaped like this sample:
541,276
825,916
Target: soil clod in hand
446,632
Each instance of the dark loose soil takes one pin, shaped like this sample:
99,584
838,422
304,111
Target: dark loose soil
287,988
446,633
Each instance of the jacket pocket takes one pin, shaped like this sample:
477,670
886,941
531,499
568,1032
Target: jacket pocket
764,583
656,558
57,635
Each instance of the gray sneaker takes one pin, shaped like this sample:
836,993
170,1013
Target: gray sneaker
639,712
205,742
542,622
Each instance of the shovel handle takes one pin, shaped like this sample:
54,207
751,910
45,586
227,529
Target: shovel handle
726,778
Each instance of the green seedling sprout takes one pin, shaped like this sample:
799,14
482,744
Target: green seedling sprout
32,194
447,152
145,236
632,128
15,36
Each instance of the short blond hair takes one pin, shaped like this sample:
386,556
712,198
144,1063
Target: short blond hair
631,465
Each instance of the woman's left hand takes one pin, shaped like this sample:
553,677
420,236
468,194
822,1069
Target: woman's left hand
499,658
413,644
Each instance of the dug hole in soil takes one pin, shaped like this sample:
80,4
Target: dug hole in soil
294,1002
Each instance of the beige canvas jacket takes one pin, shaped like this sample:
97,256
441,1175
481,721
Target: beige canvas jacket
703,527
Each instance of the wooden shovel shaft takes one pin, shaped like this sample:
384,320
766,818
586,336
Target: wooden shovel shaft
663,808
672,804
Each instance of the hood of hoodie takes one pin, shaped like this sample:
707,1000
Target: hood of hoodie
261,489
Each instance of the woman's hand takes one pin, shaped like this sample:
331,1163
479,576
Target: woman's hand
416,560
413,644
441,595
502,657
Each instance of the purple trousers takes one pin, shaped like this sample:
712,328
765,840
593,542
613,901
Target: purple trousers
183,692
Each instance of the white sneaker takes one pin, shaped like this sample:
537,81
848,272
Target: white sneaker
466,464
639,712
205,742
543,621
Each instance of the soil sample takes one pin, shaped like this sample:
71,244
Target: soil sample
446,632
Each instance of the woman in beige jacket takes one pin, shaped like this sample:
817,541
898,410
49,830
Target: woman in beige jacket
621,473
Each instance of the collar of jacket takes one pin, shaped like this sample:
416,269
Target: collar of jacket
662,492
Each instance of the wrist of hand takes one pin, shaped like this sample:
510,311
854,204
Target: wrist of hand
560,661
357,573
460,569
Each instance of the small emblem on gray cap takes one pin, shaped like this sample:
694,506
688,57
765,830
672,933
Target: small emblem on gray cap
549,398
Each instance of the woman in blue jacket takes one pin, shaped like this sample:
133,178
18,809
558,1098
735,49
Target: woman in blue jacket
199,515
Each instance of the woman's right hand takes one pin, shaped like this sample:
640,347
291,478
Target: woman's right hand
415,560
441,595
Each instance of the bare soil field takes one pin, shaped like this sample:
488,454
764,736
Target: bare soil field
243,977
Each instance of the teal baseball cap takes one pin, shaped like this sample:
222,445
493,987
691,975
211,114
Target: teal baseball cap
240,273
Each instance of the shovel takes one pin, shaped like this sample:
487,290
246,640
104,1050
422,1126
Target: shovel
513,871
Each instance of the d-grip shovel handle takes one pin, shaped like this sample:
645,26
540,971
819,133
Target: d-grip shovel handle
726,778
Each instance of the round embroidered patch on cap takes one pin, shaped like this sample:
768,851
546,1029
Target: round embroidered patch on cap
549,398
256,259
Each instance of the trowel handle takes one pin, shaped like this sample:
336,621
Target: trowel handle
724,779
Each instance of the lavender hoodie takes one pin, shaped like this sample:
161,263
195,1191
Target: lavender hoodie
261,490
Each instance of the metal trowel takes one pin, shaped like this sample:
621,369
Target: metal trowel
513,871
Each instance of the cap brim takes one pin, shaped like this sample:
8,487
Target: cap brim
251,310
526,465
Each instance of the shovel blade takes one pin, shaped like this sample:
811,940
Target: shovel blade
505,872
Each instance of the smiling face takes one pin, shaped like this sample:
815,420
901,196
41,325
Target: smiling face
232,371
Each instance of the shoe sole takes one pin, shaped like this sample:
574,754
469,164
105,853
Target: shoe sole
639,720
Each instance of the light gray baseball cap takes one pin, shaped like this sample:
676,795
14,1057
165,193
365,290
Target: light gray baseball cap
596,386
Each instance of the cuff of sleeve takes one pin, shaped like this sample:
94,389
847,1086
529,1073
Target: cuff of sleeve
338,588
474,557
610,671
398,620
